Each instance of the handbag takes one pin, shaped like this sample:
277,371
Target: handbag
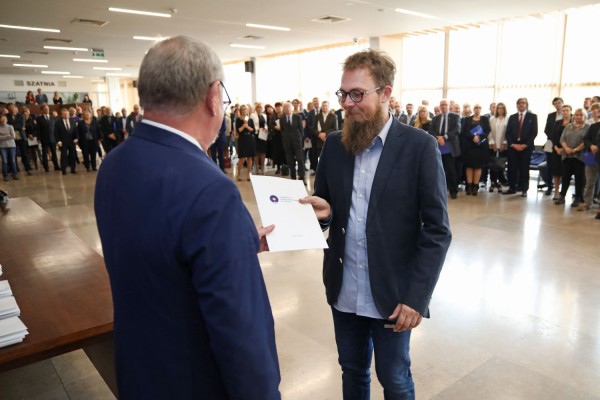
497,163
589,159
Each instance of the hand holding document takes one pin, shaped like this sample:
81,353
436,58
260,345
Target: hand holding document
296,226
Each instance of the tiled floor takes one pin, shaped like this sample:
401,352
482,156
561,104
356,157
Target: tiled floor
515,315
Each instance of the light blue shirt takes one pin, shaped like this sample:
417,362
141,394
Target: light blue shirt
355,295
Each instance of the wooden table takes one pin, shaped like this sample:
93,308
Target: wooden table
62,288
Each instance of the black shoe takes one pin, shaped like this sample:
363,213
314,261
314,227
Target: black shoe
548,192
64,173
509,191
575,203
560,201
598,216
73,172
474,189
16,178
29,173
453,196
541,186
524,194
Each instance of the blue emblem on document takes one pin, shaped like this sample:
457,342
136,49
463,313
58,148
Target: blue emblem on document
274,199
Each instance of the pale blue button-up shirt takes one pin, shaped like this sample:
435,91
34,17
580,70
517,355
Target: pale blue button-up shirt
355,295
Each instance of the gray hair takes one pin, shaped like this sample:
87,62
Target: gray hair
176,74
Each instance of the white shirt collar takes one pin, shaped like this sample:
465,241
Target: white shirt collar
184,135
386,128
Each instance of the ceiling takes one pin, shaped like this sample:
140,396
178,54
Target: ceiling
220,23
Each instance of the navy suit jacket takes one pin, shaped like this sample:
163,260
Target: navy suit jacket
408,232
529,130
452,131
64,135
192,318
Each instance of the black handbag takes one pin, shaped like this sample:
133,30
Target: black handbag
497,163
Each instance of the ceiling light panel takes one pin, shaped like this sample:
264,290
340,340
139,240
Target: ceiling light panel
140,12
29,28
66,48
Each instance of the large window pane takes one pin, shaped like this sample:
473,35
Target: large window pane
472,57
531,51
238,83
581,61
423,62
483,96
415,97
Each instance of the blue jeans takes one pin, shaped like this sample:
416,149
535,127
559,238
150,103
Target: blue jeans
356,338
9,155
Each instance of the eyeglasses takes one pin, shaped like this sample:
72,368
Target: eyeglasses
355,94
226,103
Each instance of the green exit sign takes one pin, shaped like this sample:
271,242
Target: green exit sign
99,53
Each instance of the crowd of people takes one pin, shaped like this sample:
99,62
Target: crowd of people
493,150
490,150
53,135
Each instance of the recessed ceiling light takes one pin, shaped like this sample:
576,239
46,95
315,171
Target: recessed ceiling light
73,76
31,65
247,46
140,12
29,28
66,48
415,13
56,72
274,28
116,74
107,68
9,56
90,60
151,38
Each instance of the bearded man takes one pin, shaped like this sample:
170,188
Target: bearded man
381,191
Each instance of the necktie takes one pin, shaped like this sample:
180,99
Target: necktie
520,126
67,124
47,118
289,120
443,127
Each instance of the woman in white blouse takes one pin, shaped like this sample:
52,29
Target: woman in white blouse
497,140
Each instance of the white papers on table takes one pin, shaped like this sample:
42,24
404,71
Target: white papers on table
9,307
5,289
12,330
296,225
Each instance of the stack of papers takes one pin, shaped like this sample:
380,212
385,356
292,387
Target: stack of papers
9,307
5,289
12,330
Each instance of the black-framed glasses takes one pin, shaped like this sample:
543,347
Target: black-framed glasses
355,94
226,103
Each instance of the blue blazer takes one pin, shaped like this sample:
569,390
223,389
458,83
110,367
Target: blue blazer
408,232
192,318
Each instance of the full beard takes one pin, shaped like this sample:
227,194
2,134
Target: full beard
358,136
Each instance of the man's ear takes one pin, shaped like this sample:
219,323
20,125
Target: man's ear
387,93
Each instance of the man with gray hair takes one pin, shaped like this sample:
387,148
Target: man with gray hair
192,315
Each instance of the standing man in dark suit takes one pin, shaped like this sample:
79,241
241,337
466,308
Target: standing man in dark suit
310,134
192,315
291,135
445,127
45,132
108,130
380,190
66,134
41,98
521,130
554,116
340,118
133,118
325,123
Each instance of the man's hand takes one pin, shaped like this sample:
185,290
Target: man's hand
59,144
406,318
441,140
494,148
319,205
322,136
262,234
594,148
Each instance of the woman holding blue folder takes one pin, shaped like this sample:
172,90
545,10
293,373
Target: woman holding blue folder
473,136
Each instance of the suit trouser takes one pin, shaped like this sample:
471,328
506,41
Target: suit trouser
315,152
450,172
67,157
518,168
293,153
591,176
89,150
52,148
108,145
572,166
24,151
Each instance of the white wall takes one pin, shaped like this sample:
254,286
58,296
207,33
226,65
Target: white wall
11,91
